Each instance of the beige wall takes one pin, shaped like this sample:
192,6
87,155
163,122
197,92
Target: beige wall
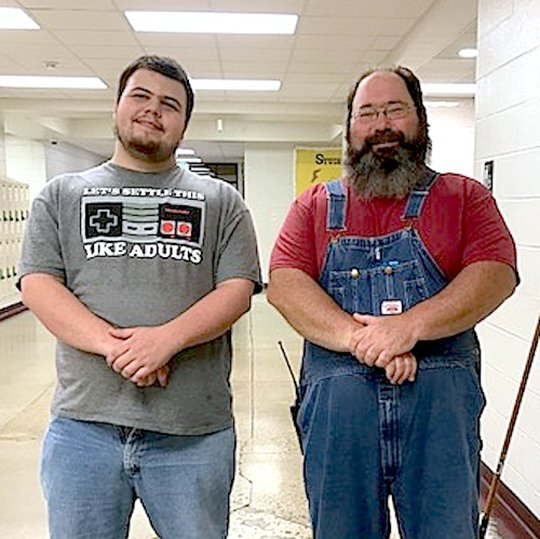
25,162
269,190
2,152
452,133
507,132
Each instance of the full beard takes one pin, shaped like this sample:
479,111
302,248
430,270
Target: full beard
145,149
391,172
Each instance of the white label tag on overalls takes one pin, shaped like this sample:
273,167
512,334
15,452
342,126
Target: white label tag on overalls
391,306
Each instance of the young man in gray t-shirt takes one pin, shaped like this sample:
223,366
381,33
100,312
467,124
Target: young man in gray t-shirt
139,269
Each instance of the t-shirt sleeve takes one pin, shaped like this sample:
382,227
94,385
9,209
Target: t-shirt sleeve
41,251
487,236
295,246
237,256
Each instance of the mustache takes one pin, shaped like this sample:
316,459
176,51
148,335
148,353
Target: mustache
383,137
150,120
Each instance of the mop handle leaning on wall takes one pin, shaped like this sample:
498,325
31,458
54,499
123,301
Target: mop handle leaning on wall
295,406
490,500
288,363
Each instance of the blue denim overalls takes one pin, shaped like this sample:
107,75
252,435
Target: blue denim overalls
364,438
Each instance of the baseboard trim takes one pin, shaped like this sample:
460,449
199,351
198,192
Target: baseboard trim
11,310
512,518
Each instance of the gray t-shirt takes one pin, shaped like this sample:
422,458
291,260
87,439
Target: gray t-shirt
138,249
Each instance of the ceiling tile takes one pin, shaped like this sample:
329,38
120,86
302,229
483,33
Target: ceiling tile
48,51
315,55
371,58
184,54
333,43
78,19
26,37
367,8
254,54
196,69
163,5
124,52
233,69
154,39
259,6
440,70
364,26
309,79
386,42
95,37
321,67
68,4
322,89
8,65
259,41
108,65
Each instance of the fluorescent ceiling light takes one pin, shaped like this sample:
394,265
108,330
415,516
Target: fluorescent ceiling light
211,22
468,53
184,151
441,104
237,84
191,159
30,81
463,89
13,18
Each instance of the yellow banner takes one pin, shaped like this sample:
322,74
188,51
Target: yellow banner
316,165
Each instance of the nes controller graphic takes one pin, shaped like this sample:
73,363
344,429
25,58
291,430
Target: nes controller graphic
142,220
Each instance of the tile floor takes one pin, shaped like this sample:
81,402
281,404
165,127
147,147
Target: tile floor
268,498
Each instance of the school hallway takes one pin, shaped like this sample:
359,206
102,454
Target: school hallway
268,498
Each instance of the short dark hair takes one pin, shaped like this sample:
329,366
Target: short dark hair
163,65
413,86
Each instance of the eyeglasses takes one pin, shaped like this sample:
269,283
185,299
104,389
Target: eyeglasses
393,111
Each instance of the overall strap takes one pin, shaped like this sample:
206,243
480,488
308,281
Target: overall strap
413,209
336,206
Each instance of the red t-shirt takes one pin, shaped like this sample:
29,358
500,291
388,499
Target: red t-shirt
459,224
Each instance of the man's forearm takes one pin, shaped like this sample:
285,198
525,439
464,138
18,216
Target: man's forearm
476,292
212,315
309,309
64,315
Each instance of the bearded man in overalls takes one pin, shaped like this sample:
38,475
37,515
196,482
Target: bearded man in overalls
385,273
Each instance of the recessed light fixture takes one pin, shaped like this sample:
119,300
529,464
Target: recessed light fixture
468,53
449,89
237,84
14,18
30,81
211,22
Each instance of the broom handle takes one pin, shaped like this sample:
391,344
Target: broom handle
490,500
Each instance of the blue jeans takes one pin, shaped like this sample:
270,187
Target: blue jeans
92,473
